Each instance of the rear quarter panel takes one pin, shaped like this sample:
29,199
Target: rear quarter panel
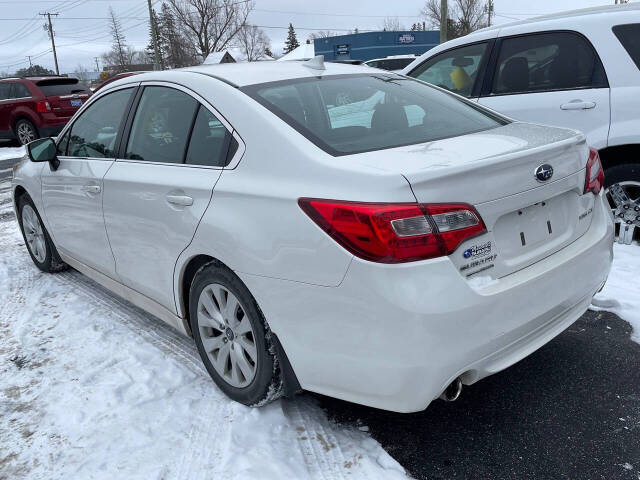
254,224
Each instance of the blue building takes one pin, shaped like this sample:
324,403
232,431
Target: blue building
368,45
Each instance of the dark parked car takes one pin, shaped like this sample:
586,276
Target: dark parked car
34,107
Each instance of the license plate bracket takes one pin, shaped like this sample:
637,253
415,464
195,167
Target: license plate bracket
76,102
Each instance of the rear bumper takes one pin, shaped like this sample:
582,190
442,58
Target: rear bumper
395,336
51,130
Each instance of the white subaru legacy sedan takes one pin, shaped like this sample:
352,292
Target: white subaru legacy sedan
329,228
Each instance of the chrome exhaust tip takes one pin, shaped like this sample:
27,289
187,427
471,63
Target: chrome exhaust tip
453,391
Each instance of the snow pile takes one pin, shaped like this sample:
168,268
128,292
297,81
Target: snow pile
91,387
621,294
9,153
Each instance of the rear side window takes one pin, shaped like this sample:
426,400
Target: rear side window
346,114
160,129
456,70
546,62
66,86
20,91
629,36
95,132
209,141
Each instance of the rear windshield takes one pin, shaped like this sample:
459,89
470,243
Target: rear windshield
347,114
61,87
629,36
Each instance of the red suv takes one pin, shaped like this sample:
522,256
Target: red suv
34,107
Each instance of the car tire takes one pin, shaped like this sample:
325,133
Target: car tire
625,208
233,337
26,131
39,245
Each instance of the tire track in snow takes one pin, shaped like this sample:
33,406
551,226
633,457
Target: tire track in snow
208,440
320,449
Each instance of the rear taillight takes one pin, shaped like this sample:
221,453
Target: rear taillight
395,232
43,106
594,178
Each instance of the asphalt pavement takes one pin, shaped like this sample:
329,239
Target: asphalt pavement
571,410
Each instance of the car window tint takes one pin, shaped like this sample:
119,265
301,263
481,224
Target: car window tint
20,91
62,86
629,37
395,63
161,126
347,114
94,133
549,61
456,70
5,91
209,141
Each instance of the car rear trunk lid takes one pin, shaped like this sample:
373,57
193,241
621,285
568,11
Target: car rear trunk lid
527,219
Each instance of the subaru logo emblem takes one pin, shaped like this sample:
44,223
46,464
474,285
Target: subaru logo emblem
467,253
544,172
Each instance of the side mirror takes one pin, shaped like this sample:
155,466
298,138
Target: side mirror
44,150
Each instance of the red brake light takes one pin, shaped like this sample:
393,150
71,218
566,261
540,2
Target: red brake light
594,178
395,232
43,106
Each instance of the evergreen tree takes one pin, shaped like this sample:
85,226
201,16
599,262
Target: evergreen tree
150,51
292,41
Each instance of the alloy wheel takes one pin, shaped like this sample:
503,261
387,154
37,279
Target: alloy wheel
34,233
227,335
624,199
26,133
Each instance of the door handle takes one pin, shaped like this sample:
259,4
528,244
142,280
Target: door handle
91,188
577,105
182,200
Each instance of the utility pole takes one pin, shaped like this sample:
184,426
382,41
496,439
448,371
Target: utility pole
53,43
157,64
30,64
97,66
443,21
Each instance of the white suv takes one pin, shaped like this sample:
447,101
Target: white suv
578,69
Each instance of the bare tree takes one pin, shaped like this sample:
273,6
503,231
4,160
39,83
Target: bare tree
321,34
211,25
391,24
253,42
465,16
472,15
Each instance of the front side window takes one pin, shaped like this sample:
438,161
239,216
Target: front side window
456,70
346,114
95,132
545,62
160,129
209,141
5,91
629,37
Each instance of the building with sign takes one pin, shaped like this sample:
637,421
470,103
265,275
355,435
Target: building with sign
368,45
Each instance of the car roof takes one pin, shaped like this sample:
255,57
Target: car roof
391,57
242,74
604,9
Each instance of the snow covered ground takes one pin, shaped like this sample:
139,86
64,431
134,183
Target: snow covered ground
91,387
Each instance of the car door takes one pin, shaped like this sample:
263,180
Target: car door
72,193
552,78
161,184
459,70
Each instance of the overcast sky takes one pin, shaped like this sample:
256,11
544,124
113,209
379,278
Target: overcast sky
82,31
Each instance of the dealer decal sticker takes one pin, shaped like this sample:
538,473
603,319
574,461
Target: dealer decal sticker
477,250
